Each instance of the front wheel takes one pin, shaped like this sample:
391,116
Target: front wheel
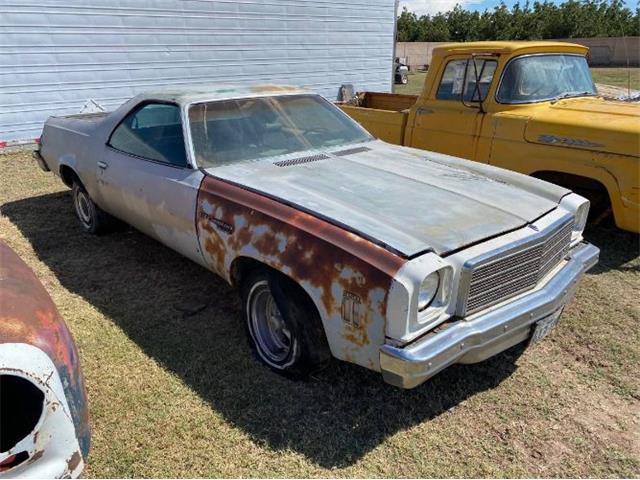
404,79
283,325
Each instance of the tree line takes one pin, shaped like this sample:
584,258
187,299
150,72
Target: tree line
542,20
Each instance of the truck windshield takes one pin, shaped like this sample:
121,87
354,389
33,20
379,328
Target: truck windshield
538,78
229,131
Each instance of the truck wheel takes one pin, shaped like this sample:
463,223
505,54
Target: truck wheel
92,218
283,326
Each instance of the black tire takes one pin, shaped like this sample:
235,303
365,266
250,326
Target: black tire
92,219
298,346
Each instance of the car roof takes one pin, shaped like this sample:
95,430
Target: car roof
203,93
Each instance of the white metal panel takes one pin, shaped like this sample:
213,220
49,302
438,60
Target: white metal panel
58,54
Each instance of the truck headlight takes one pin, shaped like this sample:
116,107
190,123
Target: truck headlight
428,290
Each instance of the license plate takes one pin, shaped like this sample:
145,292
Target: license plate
544,326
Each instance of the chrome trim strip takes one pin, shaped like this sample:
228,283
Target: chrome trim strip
488,333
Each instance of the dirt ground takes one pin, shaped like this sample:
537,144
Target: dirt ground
174,391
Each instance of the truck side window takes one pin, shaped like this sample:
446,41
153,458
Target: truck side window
153,131
451,86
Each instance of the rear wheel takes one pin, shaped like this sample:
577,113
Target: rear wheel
283,325
92,218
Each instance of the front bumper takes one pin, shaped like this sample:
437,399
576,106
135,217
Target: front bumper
485,334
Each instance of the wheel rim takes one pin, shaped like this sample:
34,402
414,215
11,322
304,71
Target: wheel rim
272,337
83,207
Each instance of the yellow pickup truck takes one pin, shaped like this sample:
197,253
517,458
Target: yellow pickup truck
526,106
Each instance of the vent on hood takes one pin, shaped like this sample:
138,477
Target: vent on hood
298,161
349,151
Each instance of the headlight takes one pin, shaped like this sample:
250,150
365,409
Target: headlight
428,290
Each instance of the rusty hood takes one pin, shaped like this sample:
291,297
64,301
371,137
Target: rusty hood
408,200
590,123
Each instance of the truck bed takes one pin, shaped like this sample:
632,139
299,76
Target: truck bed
384,115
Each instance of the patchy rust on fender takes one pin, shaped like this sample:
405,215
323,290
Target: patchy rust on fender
325,259
29,316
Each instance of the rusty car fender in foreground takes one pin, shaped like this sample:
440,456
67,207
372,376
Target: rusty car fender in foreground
38,354
347,277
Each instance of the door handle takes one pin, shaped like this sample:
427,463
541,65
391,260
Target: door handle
103,165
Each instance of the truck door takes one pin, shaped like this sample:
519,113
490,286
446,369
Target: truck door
144,177
450,119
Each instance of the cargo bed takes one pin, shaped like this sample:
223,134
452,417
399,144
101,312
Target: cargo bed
384,115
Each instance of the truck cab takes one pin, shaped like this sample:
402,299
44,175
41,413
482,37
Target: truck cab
531,107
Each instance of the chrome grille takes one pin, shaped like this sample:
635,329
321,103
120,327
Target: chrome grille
520,269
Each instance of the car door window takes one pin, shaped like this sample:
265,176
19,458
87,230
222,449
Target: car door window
451,84
154,132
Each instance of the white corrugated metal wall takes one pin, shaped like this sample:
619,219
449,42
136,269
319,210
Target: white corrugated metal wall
55,55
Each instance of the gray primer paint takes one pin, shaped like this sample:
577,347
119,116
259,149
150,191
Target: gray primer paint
57,55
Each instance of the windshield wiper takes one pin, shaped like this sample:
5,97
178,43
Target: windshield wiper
572,94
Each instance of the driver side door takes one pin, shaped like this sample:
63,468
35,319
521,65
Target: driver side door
145,179
450,121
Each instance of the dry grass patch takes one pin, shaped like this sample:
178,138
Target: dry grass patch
173,389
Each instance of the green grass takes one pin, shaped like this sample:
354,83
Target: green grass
177,394
617,77
414,86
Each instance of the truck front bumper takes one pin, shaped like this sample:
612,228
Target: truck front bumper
485,334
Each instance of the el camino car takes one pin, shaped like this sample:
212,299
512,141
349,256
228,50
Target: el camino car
396,259
44,421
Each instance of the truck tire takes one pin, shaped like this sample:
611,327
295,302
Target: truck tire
283,325
92,218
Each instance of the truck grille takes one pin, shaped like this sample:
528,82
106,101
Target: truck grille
517,271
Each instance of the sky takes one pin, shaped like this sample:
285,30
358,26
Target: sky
422,7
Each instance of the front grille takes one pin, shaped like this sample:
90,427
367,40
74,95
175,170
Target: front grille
520,269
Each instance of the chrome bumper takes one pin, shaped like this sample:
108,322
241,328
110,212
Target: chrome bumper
485,334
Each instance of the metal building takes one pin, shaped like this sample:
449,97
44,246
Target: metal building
65,56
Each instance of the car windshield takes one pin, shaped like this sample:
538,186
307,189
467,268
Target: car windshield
229,131
538,78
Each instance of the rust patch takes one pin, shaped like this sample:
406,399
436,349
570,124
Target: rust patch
74,461
274,88
36,455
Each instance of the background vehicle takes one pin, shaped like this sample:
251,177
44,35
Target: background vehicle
287,198
44,420
531,107
401,72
